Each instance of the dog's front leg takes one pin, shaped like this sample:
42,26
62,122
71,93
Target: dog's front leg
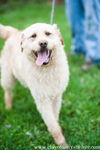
47,113
56,104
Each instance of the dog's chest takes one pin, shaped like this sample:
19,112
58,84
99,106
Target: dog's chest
46,81
45,77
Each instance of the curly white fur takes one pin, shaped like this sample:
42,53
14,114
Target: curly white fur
47,82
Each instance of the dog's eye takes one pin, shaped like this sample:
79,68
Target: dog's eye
47,33
33,36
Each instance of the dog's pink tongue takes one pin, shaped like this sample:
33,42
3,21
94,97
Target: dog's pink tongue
42,58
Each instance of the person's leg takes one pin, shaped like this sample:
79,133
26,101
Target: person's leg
75,13
92,31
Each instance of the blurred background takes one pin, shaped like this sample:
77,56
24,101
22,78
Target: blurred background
22,128
32,11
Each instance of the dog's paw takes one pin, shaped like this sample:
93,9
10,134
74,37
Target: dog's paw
8,107
64,145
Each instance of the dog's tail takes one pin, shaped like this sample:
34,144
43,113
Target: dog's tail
6,31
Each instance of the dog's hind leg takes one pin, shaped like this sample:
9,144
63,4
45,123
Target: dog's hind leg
8,99
46,110
7,82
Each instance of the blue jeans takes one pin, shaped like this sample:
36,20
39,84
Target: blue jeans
84,18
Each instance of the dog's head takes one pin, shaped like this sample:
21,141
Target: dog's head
40,41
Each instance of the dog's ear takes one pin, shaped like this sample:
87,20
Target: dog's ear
59,33
21,43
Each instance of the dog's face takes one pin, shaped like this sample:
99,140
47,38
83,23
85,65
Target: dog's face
40,41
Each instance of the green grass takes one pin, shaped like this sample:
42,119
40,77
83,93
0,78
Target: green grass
80,113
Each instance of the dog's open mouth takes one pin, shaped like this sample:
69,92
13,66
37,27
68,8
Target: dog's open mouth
43,57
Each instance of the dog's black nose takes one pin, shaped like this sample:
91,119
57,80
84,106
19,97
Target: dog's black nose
43,44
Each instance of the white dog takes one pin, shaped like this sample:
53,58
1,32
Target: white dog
37,59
